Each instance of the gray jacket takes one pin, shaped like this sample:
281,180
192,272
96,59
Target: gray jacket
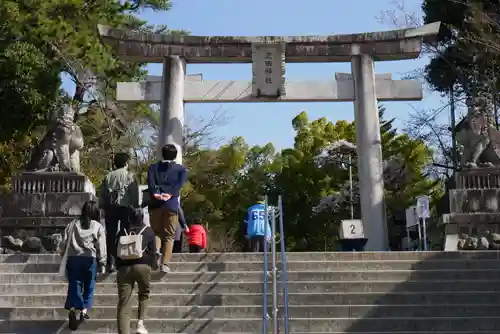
120,179
85,242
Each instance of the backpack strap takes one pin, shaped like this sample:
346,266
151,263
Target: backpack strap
145,227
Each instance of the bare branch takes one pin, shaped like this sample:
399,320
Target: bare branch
398,16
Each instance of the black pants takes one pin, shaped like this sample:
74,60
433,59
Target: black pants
247,245
194,249
114,216
257,243
178,246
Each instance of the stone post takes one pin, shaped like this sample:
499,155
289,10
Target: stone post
172,105
369,149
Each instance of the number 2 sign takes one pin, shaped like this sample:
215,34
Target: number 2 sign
351,229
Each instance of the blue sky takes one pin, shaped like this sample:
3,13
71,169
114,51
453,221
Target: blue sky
260,123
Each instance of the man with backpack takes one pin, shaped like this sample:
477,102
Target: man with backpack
118,192
136,258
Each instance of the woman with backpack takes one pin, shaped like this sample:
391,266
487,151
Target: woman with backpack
83,248
136,258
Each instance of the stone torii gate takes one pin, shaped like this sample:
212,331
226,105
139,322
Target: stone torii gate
268,55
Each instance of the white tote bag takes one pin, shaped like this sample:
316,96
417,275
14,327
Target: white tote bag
64,261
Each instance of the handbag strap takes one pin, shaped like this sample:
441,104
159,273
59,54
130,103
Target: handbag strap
70,234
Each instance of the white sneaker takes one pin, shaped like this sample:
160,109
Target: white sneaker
164,268
141,329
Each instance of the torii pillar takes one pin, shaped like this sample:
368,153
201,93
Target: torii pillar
172,105
268,55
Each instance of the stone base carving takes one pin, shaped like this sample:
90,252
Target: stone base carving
473,237
33,217
52,182
474,219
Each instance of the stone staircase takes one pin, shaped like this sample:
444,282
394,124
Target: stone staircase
384,292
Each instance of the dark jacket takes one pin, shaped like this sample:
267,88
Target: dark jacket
166,177
148,243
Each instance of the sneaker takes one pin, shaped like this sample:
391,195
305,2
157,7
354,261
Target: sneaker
73,322
164,268
84,316
141,329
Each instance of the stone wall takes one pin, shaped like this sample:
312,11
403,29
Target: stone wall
34,215
474,219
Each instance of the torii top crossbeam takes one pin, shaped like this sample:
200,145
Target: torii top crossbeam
154,47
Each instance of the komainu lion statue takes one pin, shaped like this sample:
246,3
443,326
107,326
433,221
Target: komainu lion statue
478,136
59,150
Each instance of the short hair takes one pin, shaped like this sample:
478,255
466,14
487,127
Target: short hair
169,152
136,217
121,159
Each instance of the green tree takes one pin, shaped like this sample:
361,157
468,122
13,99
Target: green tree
38,38
309,184
467,52
223,183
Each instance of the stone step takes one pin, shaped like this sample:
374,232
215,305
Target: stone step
257,276
292,266
258,287
306,298
291,256
255,311
350,332
238,325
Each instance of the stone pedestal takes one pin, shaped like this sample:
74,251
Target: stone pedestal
40,207
474,218
353,245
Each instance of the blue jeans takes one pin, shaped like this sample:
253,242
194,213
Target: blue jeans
82,273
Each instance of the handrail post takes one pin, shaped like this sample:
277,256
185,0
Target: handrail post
265,316
274,271
283,263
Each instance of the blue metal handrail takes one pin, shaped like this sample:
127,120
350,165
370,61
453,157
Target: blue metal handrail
266,266
271,214
283,264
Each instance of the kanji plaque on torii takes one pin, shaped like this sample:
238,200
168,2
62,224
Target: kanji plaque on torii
268,69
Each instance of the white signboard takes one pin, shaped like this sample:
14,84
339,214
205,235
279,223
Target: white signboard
411,216
351,229
423,207
268,69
